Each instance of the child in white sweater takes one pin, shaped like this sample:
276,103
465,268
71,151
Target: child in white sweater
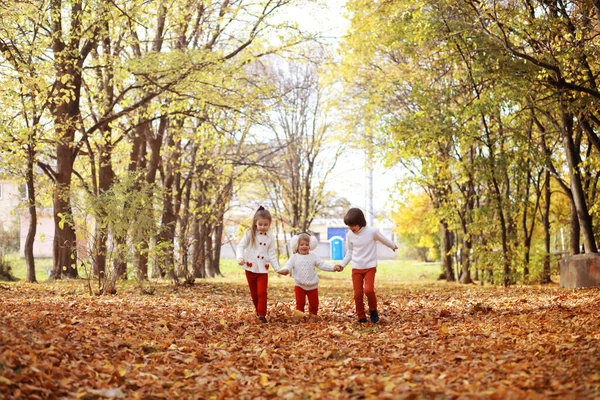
302,265
361,241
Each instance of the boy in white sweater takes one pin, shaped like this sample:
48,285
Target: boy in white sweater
361,241
302,265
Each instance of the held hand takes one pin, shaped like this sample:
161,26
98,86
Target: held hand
241,261
338,268
395,248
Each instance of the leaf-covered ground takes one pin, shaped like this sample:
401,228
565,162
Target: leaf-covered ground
433,342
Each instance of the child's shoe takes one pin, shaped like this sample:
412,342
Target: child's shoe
298,314
262,319
362,320
374,316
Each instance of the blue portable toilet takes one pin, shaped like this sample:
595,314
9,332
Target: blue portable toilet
336,246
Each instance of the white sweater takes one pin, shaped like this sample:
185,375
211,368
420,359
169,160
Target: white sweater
362,247
258,256
303,269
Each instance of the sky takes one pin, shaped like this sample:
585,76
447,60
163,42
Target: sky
349,179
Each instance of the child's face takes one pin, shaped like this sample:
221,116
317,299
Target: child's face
262,225
354,228
303,246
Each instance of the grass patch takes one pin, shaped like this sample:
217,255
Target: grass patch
388,272
19,267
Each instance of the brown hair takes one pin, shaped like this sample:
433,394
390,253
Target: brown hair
355,216
261,213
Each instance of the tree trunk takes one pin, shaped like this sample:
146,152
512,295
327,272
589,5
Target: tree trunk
575,230
155,143
526,235
68,62
579,199
184,231
217,252
138,162
99,253
198,257
106,177
120,259
64,246
208,262
166,235
447,251
32,229
546,223
465,258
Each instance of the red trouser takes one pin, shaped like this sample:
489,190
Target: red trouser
313,299
258,291
363,282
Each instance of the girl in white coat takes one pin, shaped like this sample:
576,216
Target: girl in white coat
255,253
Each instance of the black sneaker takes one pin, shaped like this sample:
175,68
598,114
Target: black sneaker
362,320
374,316
262,318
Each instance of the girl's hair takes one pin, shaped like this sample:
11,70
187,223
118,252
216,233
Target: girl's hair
261,213
355,216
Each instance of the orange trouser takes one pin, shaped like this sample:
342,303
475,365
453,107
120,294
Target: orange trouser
258,291
313,299
363,282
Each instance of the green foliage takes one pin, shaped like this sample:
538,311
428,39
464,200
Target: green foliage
449,88
124,210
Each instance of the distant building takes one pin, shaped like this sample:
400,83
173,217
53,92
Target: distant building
10,198
44,235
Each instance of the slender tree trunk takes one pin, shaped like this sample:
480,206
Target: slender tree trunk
155,143
184,231
31,231
526,235
100,251
210,272
507,276
137,164
579,199
166,235
447,251
546,223
199,256
465,256
218,242
226,194
106,177
575,230
526,256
